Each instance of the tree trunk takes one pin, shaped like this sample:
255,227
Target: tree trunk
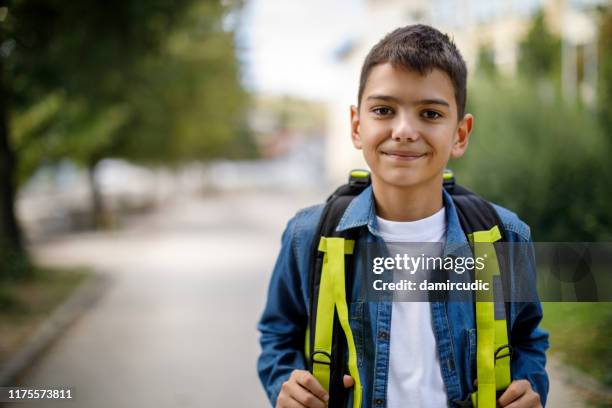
100,216
13,257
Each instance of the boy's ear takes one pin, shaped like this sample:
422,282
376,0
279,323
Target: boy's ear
355,135
462,136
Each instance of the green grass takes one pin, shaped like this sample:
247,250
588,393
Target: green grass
26,303
580,335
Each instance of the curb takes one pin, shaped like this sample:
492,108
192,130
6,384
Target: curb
51,329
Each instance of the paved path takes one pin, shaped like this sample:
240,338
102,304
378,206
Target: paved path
177,327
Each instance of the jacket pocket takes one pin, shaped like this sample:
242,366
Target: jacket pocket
356,322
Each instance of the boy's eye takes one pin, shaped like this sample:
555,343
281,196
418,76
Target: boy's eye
430,114
382,111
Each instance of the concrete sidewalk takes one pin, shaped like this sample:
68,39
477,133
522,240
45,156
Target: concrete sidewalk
178,326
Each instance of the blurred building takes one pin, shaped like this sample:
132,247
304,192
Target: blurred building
289,136
498,26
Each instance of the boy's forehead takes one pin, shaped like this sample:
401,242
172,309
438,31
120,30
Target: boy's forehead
403,83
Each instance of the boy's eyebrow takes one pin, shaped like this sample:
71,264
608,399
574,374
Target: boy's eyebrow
428,101
383,97
432,102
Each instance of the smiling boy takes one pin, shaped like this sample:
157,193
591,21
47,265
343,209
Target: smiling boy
409,121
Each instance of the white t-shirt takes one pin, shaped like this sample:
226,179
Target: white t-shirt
415,377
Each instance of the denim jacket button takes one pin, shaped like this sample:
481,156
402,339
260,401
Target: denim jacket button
383,335
379,401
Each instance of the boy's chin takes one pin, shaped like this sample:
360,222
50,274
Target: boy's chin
409,180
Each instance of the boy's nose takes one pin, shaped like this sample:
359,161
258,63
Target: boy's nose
404,132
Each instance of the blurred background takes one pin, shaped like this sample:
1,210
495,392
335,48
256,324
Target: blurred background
152,152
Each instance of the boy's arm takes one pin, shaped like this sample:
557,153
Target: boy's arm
529,341
529,344
283,323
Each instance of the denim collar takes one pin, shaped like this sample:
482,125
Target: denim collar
361,212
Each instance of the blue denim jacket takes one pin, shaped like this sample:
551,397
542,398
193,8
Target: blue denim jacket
284,319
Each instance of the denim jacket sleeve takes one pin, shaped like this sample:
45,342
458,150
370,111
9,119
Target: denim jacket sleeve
283,322
529,341
529,345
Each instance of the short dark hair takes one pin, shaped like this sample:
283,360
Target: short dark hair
420,48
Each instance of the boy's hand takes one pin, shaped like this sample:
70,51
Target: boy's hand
348,381
519,394
303,390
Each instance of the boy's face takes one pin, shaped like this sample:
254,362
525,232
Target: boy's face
407,126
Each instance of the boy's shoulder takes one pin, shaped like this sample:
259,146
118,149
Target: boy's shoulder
304,223
512,223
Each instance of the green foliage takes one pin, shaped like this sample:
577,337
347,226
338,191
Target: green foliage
485,63
541,158
75,130
580,334
188,103
154,81
15,265
604,86
548,161
540,52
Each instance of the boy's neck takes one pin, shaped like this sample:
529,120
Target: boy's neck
407,204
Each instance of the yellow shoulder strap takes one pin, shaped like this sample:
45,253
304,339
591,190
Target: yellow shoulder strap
492,356
332,297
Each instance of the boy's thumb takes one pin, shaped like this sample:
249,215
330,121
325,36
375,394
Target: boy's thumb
348,381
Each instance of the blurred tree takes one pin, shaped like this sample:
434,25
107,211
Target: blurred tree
541,158
604,87
549,162
191,91
485,62
544,159
540,52
153,81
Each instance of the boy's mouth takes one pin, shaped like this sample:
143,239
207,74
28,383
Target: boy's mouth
403,155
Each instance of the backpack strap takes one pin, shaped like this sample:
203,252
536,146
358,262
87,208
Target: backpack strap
483,227
331,278
493,350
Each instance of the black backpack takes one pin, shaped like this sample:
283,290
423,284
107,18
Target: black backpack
475,214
